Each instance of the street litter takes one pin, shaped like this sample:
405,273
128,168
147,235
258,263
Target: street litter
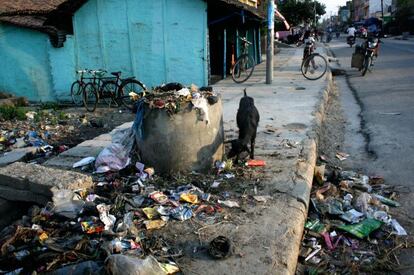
342,156
349,225
83,162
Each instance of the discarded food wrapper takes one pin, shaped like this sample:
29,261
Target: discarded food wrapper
255,162
107,219
220,247
382,216
362,229
229,203
315,225
90,227
386,200
398,229
154,224
352,216
215,184
150,212
191,198
182,213
43,237
83,162
342,156
159,197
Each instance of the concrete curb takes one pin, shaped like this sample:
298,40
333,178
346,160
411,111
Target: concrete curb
305,168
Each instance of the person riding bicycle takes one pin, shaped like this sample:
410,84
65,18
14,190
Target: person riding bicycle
309,41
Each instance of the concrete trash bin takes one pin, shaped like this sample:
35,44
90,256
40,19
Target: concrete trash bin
182,142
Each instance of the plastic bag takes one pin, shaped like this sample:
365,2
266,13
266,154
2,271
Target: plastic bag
362,229
121,264
65,205
116,156
362,202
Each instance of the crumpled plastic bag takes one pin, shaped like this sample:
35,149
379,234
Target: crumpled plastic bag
116,156
65,204
201,104
118,264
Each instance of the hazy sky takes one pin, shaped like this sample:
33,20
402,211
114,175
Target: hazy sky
332,6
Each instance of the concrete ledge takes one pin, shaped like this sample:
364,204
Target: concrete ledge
34,183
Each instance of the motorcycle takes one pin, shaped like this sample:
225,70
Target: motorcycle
370,50
329,38
350,40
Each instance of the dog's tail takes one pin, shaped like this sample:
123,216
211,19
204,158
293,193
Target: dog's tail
245,94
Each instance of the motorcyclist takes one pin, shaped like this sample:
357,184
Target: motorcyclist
351,33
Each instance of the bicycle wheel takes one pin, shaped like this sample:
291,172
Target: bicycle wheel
243,68
76,93
314,67
90,97
130,91
365,66
109,89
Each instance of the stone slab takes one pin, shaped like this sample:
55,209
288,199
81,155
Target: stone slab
15,155
41,180
16,195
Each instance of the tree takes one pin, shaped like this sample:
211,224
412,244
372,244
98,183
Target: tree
404,15
297,12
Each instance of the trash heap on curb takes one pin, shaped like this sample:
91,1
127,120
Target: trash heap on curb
349,226
112,225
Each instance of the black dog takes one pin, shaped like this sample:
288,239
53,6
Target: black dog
247,120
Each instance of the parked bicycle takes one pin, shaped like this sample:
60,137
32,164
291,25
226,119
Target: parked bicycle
113,90
244,66
77,87
314,65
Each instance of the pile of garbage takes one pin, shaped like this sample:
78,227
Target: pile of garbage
172,96
112,225
349,226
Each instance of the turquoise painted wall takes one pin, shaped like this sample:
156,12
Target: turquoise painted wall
24,60
155,40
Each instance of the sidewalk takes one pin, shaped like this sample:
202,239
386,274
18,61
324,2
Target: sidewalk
292,106
266,236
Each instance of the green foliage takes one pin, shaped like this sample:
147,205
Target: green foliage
49,105
405,11
11,112
297,12
62,116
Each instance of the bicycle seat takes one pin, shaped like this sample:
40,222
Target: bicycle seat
116,73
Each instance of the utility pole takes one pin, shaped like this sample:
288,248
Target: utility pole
382,10
270,41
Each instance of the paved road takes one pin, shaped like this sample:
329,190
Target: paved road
379,109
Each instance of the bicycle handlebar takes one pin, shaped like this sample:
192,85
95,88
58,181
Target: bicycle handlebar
244,39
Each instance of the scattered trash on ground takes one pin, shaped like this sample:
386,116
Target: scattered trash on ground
349,227
49,130
113,225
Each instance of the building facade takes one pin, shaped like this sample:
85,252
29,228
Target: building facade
157,41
